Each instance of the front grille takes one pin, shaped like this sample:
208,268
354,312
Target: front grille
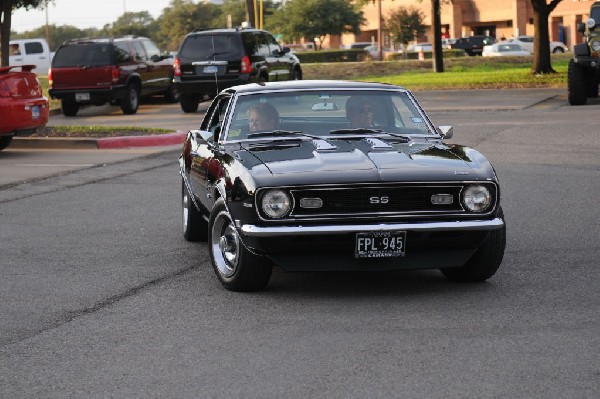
360,201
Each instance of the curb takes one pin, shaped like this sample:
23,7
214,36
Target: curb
99,143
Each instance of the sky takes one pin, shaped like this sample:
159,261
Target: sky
83,13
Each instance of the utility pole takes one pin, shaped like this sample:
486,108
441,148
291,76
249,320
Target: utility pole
379,32
436,28
47,28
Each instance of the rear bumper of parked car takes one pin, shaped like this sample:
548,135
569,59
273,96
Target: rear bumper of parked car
208,86
97,95
429,245
22,116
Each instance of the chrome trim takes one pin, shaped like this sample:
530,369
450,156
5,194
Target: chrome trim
377,144
275,231
207,63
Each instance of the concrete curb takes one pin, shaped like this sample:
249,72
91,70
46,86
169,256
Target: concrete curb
154,140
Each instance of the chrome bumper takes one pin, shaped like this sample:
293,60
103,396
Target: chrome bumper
276,231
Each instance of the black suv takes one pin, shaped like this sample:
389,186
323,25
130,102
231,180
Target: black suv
119,71
473,45
212,60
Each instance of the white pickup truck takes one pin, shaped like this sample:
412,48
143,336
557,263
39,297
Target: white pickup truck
30,51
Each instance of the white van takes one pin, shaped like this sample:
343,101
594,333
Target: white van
30,51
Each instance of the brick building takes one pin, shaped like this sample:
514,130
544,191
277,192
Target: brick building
498,18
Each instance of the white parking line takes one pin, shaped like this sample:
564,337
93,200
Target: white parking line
50,165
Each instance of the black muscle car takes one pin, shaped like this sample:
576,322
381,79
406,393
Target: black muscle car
335,176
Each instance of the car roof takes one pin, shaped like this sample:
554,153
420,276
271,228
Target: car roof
310,84
224,30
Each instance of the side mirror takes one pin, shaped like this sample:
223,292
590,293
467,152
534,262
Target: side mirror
446,131
286,50
155,58
590,23
580,27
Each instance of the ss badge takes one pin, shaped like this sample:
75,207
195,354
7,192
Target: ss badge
379,200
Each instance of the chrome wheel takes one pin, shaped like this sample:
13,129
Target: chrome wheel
185,210
225,245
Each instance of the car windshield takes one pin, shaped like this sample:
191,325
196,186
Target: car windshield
327,112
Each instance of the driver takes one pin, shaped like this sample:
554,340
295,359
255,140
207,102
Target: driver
262,116
359,111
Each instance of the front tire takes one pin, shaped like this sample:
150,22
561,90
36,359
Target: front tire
577,84
236,267
5,141
69,108
485,261
189,103
195,227
131,102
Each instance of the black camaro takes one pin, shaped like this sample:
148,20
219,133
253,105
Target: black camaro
333,176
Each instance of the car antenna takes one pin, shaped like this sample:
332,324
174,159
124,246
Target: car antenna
214,59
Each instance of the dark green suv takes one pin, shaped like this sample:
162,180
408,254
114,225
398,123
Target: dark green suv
209,61
584,68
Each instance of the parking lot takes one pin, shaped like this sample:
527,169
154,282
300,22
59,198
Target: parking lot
102,297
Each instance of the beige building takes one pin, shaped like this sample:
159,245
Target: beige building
498,18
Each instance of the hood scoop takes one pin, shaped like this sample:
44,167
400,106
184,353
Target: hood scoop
377,144
323,145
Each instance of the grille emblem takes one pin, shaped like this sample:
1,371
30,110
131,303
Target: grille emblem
379,200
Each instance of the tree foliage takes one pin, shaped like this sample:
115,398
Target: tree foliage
134,23
184,16
6,9
541,42
315,19
59,34
405,24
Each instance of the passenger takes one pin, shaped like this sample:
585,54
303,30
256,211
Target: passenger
14,49
262,117
359,111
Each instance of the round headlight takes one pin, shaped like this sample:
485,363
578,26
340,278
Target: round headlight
596,46
477,198
275,203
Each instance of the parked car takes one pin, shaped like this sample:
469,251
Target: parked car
30,52
526,42
425,47
23,108
448,42
119,71
374,52
214,59
337,176
473,45
504,49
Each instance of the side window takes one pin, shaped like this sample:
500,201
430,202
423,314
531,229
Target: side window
274,47
33,48
122,55
263,46
216,115
250,45
140,53
152,52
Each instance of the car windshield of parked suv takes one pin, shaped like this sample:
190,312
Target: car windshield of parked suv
89,54
210,47
330,112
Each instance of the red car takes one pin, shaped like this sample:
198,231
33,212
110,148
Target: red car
23,108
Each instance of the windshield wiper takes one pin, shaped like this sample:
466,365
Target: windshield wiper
368,131
276,133
217,53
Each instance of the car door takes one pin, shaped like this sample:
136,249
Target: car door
281,62
206,170
159,67
144,68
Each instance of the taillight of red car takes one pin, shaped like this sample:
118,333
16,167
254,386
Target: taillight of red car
177,67
246,65
115,74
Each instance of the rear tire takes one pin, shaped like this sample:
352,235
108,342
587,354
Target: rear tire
171,95
485,261
236,267
69,108
195,227
189,104
558,50
576,84
5,141
131,102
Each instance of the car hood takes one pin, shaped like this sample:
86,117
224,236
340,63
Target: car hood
339,161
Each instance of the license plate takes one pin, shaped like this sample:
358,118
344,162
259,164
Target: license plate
82,97
380,244
210,69
35,112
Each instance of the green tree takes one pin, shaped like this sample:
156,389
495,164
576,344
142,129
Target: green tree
237,10
315,19
134,23
184,16
541,42
405,24
6,9
58,34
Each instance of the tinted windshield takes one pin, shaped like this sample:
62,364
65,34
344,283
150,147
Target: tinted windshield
209,47
323,112
595,13
91,54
